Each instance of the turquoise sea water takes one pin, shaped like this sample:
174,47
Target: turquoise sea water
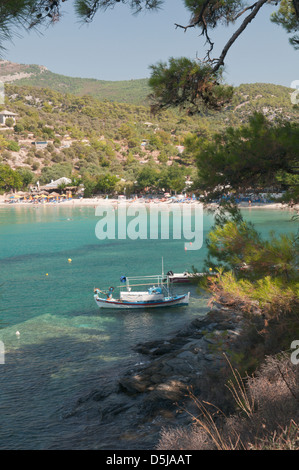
66,345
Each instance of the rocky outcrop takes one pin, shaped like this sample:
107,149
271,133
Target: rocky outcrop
128,411
11,71
176,364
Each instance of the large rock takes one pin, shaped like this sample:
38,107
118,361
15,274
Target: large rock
155,393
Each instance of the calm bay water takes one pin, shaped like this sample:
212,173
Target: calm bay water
67,346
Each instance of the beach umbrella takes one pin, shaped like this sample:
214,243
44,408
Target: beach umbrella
22,194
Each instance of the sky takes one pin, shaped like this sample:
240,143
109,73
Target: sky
118,45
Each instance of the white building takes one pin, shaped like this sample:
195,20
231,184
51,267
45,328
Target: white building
7,114
55,184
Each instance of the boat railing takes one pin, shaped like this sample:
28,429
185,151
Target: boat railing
136,281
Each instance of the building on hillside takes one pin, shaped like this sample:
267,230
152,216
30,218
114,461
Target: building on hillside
40,144
55,184
7,114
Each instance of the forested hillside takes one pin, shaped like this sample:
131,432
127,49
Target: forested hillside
93,140
247,97
127,91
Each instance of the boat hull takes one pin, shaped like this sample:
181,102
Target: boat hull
184,278
179,300
179,279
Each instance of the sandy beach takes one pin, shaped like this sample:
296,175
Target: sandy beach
96,201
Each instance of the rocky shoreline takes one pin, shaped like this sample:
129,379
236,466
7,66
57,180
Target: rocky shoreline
133,408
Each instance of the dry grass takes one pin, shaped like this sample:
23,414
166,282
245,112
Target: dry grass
266,417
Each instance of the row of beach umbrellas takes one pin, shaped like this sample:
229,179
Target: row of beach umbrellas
22,195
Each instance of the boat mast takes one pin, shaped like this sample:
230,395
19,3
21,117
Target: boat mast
162,278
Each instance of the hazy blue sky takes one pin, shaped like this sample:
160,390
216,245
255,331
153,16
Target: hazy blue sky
120,46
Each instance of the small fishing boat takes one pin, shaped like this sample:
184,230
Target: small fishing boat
179,277
185,277
158,294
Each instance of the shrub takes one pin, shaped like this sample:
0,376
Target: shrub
35,166
266,417
13,146
9,122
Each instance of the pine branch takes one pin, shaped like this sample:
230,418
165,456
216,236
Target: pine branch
198,20
239,31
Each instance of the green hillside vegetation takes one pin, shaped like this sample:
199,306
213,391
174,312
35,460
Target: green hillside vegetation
247,97
126,91
274,99
89,139
251,96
